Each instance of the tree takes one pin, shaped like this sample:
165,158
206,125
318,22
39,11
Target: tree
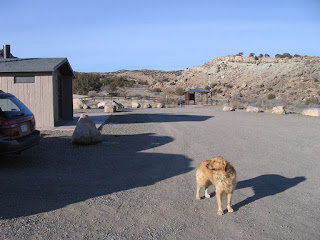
251,55
240,54
86,82
266,55
260,55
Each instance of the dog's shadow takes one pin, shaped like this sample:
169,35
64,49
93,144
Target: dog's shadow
266,185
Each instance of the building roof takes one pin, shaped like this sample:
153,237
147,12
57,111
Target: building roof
201,90
14,65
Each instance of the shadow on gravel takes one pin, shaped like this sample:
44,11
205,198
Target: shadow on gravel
266,185
157,118
56,173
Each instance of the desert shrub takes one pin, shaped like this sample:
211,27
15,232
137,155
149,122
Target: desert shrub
271,96
179,91
213,85
172,83
312,100
86,82
143,82
92,94
285,55
219,91
156,90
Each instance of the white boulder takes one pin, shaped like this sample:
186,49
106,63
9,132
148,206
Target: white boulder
135,105
313,112
110,108
101,104
159,105
228,109
253,109
146,105
86,132
79,104
278,110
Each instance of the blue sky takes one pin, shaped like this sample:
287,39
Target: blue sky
110,35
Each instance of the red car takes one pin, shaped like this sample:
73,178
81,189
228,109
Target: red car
17,125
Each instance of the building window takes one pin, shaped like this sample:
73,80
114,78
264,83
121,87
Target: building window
23,79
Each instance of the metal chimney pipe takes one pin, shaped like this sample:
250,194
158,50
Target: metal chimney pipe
6,51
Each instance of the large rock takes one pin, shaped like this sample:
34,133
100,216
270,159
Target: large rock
79,104
135,105
253,109
159,105
110,108
228,109
314,112
118,106
278,110
86,132
101,104
146,105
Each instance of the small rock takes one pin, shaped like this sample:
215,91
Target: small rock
228,109
278,110
253,109
313,112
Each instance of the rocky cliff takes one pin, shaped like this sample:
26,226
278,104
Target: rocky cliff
294,81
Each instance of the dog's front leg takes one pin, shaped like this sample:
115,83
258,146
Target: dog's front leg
219,200
229,202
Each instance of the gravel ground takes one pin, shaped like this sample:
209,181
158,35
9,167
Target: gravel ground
139,183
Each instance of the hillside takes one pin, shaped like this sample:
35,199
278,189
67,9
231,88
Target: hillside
294,81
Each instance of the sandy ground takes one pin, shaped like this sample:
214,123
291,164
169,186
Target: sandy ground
139,183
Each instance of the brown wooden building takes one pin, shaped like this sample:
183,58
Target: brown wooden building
44,85
190,96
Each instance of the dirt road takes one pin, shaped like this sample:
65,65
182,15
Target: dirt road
139,183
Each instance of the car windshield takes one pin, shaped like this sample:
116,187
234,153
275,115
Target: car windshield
11,107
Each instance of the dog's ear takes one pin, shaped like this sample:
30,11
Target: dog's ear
227,166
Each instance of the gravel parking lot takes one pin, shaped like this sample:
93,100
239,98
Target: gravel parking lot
139,182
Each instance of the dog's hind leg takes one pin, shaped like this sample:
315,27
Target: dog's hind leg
198,192
206,194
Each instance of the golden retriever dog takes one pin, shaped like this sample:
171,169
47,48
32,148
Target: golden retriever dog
219,172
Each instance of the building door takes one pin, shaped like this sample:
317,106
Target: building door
60,98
